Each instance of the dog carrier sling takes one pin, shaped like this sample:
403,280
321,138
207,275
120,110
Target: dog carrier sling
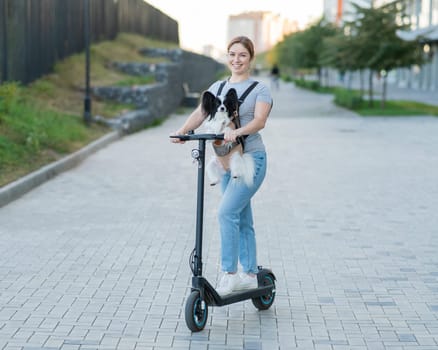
223,150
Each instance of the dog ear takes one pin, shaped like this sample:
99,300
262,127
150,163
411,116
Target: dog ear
232,94
208,102
231,100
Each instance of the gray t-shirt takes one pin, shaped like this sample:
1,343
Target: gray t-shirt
261,93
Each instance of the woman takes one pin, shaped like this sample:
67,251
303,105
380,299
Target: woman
238,241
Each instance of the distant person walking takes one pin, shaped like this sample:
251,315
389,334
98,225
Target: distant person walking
275,77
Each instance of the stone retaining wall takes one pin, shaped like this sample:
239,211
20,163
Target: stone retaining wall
155,101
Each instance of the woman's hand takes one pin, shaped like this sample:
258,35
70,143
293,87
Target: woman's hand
176,139
231,135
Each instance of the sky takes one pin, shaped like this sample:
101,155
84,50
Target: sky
204,22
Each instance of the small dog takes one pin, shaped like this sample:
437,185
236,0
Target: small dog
222,115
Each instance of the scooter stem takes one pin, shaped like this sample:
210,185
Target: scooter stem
199,156
199,208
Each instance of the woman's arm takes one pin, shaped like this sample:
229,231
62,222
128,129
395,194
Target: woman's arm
261,113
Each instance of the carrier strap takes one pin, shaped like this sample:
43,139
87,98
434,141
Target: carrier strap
245,93
221,87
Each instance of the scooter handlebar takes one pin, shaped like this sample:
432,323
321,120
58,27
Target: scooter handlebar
194,137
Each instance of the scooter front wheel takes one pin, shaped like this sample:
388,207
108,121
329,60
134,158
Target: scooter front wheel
265,301
196,312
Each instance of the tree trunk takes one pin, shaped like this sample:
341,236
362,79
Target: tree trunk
382,103
370,88
350,80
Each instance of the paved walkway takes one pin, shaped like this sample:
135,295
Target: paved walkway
97,258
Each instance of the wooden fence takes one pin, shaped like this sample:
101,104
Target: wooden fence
34,34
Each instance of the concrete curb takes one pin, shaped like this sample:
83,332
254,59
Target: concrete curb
27,183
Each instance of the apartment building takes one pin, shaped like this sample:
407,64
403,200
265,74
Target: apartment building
264,28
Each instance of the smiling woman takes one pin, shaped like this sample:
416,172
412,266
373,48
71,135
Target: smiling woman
238,241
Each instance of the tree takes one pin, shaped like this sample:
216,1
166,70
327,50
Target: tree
338,52
302,50
380,47
368,42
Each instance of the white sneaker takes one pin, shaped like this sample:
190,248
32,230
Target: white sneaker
228,283
247,281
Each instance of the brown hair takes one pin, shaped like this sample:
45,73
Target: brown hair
246,42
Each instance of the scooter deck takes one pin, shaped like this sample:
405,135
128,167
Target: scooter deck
237,296
212,298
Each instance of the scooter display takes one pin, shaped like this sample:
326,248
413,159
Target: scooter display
203,293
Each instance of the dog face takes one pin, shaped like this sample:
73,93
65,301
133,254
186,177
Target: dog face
219,113
212,104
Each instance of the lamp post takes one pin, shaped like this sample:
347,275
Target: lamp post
87,99
4,11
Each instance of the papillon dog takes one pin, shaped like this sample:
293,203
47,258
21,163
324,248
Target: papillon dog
222,115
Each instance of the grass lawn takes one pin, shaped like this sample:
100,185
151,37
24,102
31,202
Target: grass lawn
352,100
397,108
42,122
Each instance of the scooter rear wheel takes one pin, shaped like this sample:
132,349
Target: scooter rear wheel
265,301
196,312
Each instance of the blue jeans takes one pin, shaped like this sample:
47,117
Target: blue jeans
238,240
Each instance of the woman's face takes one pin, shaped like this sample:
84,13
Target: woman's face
239,59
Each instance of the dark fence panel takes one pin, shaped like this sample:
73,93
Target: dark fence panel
15,35
35,34
140,17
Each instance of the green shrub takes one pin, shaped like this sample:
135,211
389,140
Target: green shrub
308,84
44,88
347,98
9,151
8,97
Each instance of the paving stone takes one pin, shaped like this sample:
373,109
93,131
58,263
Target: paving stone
97,258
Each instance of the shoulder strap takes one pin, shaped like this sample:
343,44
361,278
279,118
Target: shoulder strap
221,86
247,92
241,139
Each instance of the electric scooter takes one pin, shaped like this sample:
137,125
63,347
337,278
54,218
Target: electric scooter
203,293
